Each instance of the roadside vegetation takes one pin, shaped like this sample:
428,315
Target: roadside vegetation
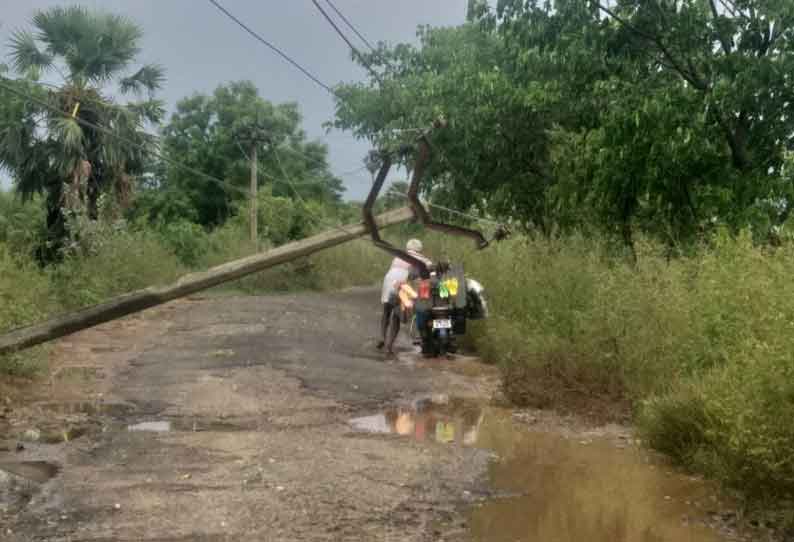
642,154
112,257
701,347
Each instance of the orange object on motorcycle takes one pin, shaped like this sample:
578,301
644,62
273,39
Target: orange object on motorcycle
424,289
405,300
408,290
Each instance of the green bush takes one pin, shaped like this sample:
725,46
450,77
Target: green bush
22,224
280,220
124,261
737,410
358,263
25,297
187,240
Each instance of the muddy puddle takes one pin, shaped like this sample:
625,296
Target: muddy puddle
561,489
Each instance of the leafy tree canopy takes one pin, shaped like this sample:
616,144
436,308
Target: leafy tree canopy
216,134
667,116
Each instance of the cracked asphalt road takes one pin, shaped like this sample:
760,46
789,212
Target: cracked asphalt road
251,397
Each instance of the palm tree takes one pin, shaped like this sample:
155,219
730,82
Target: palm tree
52,149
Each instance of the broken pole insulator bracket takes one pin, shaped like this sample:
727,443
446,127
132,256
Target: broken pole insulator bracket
419,211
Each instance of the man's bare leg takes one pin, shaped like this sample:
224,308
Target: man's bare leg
394,329
384,323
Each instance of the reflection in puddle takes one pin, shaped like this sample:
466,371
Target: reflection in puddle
158,427
446,422
569,490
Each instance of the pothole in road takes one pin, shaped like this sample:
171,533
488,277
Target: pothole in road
77,373
67,434
54,433
89,408
19,483
568,488
37,471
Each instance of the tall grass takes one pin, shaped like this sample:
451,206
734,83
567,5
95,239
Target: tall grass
702,346
126,261
25,297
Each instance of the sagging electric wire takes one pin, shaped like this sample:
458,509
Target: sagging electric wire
350,25
353,48
272,47
326,87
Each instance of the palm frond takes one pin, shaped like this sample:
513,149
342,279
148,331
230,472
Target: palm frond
68,132
35,173
149,78
18,125
26,55
60,27
95,46
152,111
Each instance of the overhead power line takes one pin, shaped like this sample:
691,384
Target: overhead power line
353,48
350,25
364,61
30,97
272,47
447,209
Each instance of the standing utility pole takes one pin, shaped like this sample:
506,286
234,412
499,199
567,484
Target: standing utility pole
254,215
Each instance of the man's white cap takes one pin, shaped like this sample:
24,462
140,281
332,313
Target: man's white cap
414,245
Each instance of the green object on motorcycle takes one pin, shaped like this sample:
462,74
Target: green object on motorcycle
443,292
445,432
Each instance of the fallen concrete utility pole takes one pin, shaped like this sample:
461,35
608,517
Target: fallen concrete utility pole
189,284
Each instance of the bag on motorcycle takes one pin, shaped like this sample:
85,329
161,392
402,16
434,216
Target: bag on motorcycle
476,306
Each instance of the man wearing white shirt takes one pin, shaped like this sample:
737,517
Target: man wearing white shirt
399,272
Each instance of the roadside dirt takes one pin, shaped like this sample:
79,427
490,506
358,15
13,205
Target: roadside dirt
276,418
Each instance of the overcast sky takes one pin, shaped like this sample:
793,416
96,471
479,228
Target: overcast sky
200,49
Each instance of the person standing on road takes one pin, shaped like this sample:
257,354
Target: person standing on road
398,272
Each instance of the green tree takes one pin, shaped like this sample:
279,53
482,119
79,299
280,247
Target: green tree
663,116
686,103
47,149
494,147
215,133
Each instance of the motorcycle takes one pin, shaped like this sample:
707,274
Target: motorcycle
439,308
